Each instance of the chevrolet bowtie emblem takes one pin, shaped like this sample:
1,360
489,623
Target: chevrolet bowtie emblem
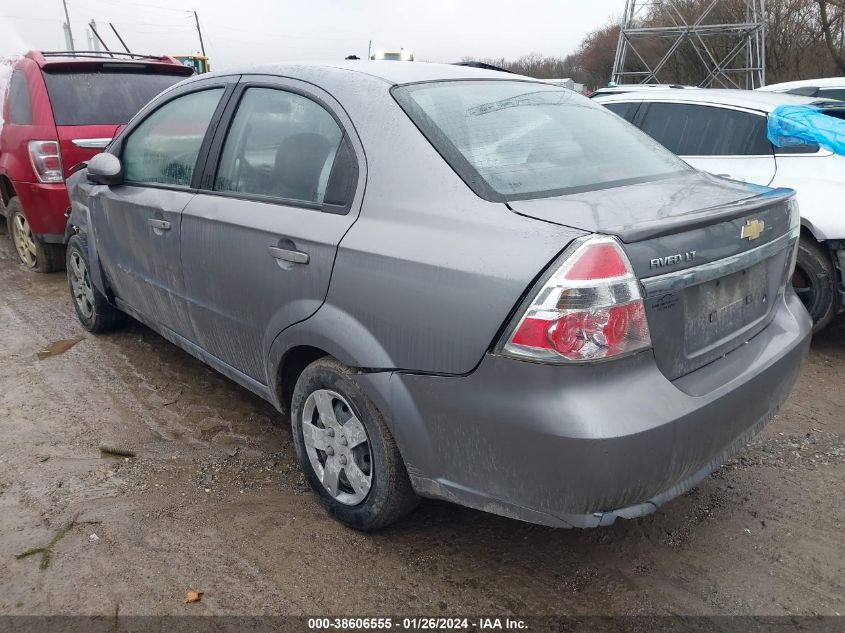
752,229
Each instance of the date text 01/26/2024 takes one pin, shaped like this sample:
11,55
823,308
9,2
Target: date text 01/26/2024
416,623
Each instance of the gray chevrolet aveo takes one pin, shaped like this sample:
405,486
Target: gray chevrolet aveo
460,284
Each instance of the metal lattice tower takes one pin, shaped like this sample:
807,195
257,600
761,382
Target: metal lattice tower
732,54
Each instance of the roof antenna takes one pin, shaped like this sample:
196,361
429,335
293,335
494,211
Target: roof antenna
97,35
120,38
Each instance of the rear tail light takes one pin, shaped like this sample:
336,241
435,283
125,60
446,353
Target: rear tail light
590,308
46,160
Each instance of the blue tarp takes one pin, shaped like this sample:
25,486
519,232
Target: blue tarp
791,125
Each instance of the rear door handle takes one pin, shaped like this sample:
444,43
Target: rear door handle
159,225
288,255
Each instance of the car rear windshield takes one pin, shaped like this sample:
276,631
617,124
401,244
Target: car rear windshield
512,140
107,97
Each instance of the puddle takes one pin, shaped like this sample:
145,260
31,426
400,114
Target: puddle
58,347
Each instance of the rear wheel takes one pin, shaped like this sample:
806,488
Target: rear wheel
94,311
42,258
346,450
814,281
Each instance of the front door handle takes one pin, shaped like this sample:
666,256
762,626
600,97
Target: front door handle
288,255
159,225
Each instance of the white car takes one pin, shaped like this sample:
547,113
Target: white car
825,88
624,88
724,132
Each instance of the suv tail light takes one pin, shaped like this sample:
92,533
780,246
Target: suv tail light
46,160
590,308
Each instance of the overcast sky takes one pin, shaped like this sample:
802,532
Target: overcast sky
252,31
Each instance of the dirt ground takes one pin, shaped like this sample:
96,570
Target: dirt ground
214,502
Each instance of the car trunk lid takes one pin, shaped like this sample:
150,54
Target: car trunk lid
712,257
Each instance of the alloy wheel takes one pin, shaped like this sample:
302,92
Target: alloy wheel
24,240
337,446
80,282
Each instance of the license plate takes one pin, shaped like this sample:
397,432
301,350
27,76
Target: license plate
716,309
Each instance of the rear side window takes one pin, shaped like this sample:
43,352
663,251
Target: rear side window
804,91
20,104
164,148
280,145
625,110
108,97
695,130
832,93
514,140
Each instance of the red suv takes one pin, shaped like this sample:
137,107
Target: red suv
61,109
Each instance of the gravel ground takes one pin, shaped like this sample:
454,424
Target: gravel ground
214,502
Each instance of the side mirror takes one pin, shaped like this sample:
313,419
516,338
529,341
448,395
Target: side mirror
105,169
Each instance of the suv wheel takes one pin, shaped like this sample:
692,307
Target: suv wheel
346,451
42,258
94,311
814,281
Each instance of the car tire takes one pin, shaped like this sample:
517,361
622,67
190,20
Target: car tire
4,222
38,257
814,281
327,406
95,312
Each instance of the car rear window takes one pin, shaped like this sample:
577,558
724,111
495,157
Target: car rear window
107,97
515,140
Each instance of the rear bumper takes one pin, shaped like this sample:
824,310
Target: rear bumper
45,206
579,446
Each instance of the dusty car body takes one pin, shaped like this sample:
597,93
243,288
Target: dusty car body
553,334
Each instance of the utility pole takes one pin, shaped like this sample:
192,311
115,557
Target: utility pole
199,32
68,32
369,49
95,42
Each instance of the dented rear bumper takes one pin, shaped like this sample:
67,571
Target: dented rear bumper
580,445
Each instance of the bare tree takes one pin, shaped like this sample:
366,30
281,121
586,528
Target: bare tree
827,25
804,39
